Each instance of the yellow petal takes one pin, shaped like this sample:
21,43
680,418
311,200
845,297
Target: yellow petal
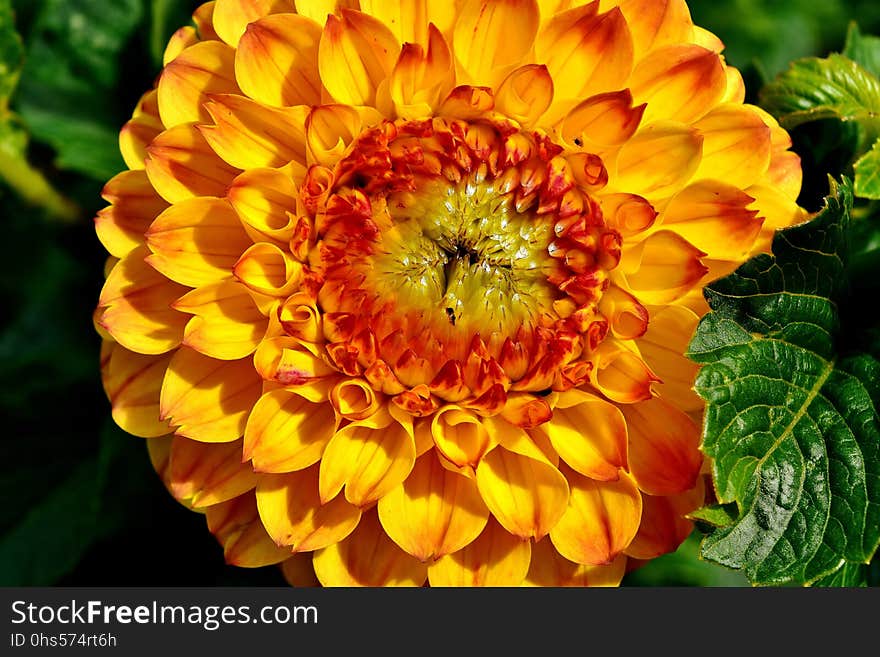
227,323
549,568
292,513
181,164
295,364
586,53
607,119
407,20
525,94
287,432
664,526
203,18
277,61
329,131
714,217
264,200
421,78
204,68
317,10
132,382
621,374
368,459
136,302
197,241
663,347
526,495
681,82
736,145
492,36
668,266
248,134
207,399
356,54
354,399
367,557
589,434
140,130
627,318
134,205
434,512
203,474
664,447
601,519
495,558
656,23
299,571
182,38
231,17
460,436
266,269
236,525
658,161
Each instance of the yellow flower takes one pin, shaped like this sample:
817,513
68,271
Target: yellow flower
399,291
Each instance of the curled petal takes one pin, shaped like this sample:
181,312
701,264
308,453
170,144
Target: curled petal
266,269
621,374
264,200
607,119
460,436
495,558
525,94
664,267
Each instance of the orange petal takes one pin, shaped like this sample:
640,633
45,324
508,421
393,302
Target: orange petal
369,458
277,61
714,217
460,436
355,55
621,374
607,119
658,161
665,267
207,399
549,568
526,495
736,145
525,94
628,214
204,68
421,78
678,82
231,17
132,382
264,200
589,55
227,323
589,434
663,348
236,525
656,23
205,474
299,571
136,302
266,269
664,526
664,447
248,134
292,513
495,558
197,241
182,39
181,164
134,205
493,35
203,18
434,512
287,432
367,557
140,130
627,318
601,519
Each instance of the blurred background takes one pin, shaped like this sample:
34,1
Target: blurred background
80,502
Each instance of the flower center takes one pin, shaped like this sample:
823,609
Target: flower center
459,259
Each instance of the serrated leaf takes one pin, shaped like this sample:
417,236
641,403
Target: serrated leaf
867,170
863,49
832,88
791,426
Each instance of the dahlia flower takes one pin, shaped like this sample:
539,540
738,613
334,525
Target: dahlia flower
399,291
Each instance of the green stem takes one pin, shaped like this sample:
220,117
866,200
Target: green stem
33,187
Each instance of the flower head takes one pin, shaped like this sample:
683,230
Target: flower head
399,292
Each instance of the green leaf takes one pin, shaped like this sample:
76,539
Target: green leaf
791,420
862,49
850,575
717,515
867,169
11,54
833,88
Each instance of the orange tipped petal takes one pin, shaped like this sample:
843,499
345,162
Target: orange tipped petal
227,323
140,130
181,165
197,241
132,382
134,205
656,23
208,399
367,557
525,94
203,68
202,474
291,511
434,512
264,200
495,558
136,302
736,145
368,459
607,119
627,318
286,432
663,347
236,525
601,519
664,447
664,526
549,568
182,39
621,374
667,267
231,17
